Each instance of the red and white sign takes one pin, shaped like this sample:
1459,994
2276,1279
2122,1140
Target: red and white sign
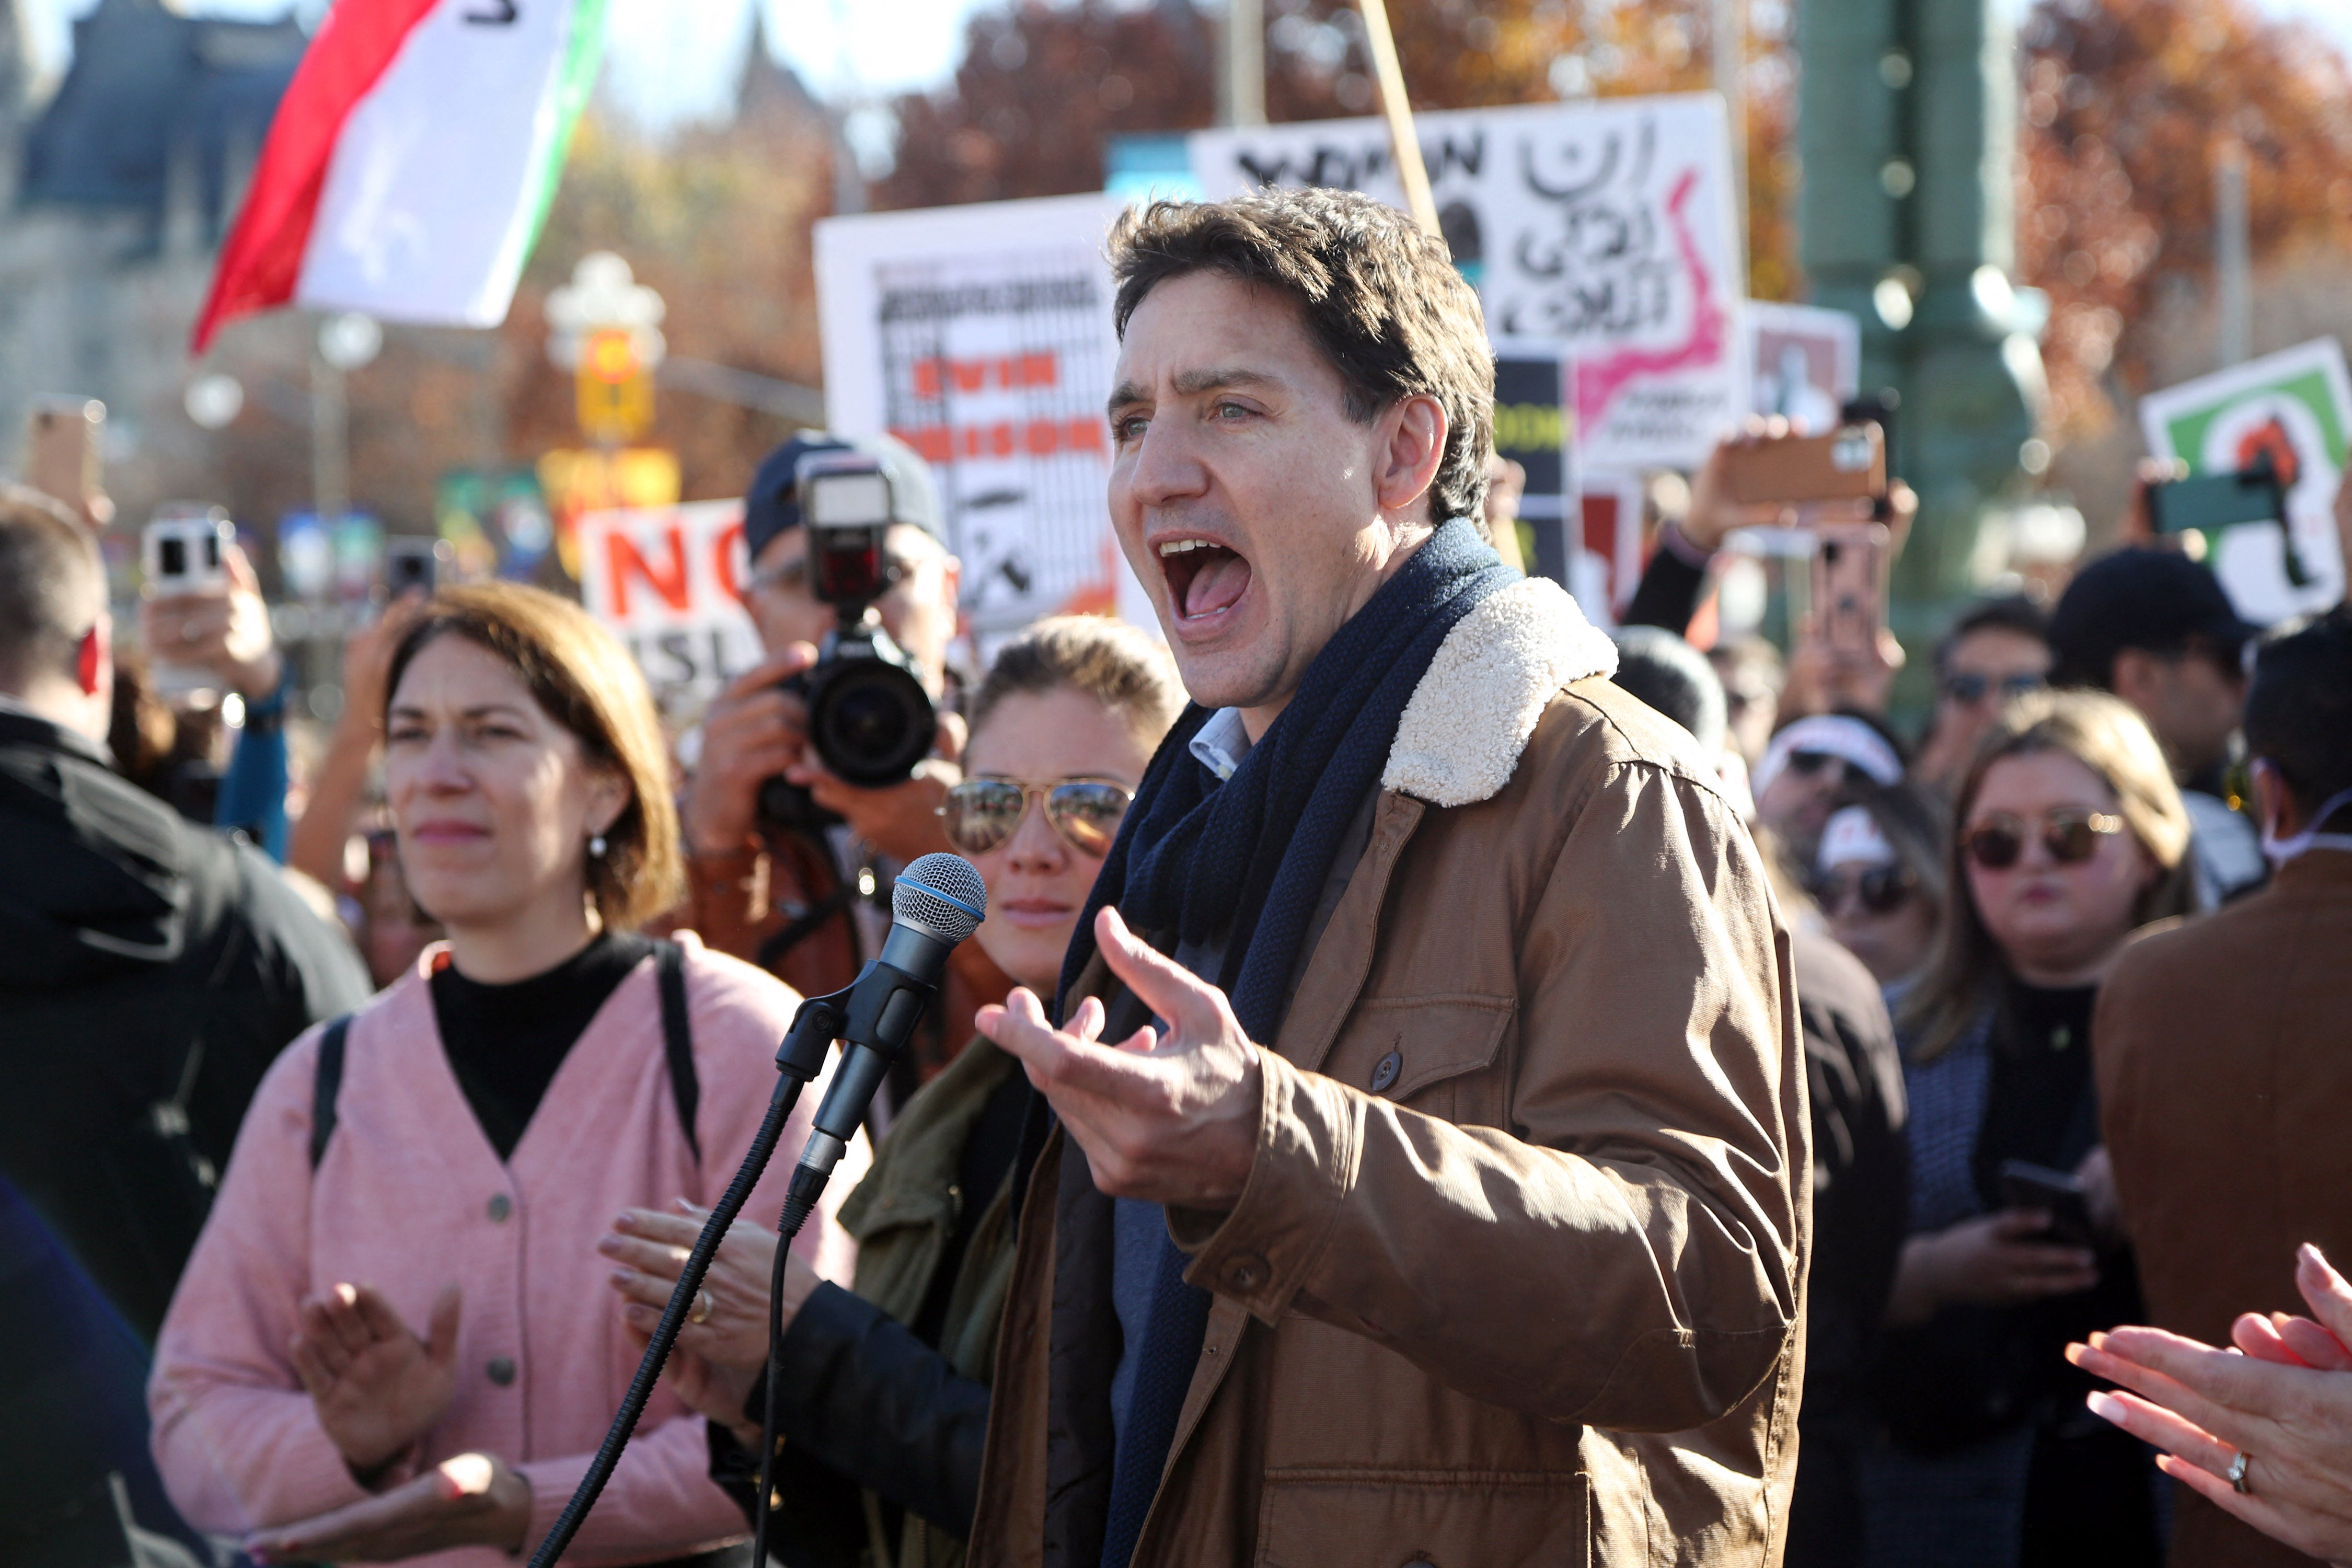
668,581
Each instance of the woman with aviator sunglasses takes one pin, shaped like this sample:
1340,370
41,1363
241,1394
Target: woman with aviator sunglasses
885,1398
2070,835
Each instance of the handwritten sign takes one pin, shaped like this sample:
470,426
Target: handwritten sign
981,337
1606,228
668,582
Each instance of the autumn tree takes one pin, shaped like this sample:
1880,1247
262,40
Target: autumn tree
2127,105
1042,87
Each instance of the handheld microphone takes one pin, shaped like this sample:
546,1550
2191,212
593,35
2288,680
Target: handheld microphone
937,902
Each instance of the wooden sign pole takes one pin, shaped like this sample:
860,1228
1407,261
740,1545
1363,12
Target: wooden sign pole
1402,140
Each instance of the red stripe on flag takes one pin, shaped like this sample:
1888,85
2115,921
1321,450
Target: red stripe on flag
262,259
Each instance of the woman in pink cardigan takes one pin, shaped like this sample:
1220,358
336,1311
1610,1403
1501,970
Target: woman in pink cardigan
394,1340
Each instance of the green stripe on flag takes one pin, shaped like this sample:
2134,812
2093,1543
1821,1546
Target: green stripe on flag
583,51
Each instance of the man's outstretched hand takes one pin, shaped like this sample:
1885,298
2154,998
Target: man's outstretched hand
1170,1119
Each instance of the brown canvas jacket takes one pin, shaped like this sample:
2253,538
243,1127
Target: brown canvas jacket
1535,1297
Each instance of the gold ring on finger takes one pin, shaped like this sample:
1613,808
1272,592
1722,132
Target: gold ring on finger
703,1307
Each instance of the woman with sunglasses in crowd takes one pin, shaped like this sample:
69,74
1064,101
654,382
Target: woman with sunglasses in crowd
2069,836
1879,881
884,1400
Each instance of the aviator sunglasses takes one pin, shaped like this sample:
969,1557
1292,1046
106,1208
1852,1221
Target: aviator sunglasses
981,814
2071,833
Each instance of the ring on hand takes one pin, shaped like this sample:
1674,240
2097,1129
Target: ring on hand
703,1305
2237,1475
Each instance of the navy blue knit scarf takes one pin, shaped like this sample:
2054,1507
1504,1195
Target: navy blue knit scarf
1249,858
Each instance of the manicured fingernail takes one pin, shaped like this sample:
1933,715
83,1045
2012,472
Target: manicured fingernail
2105,1406
2098,1339
623,1222
608,1246
623,1276
2075,1354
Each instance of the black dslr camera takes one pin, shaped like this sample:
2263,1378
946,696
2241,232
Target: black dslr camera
871,718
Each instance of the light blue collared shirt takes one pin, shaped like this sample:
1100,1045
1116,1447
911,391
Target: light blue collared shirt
1222,742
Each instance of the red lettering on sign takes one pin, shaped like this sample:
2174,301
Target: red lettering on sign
927,379
722,560
621,557
1039,370
1005,438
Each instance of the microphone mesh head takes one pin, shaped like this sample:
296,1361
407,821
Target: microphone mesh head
941,894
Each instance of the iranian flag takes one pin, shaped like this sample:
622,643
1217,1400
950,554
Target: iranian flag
411,161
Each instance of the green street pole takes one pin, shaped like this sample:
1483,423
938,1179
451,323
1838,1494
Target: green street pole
1906,128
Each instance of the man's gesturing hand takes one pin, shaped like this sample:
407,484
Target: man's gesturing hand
1169,1118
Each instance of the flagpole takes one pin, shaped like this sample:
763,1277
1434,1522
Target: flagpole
1402,140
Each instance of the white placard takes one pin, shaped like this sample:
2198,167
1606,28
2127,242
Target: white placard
981,337
2298,404
1608,227
1805,362
668,582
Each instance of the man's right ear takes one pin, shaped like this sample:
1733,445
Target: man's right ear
94,659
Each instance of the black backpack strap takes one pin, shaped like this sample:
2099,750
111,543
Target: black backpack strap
678,1039
326,1086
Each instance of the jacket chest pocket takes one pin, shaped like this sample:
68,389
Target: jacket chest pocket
1424,1519
1434,1054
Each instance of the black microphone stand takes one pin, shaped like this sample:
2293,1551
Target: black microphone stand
815,1026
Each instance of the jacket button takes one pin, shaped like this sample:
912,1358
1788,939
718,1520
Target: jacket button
501,1205
501,1370
1244,1273
1384,1075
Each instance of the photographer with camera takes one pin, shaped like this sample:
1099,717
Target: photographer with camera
823,768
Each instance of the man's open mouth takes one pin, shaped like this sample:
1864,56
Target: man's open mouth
1203,576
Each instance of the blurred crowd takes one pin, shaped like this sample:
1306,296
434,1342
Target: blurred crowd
2071,962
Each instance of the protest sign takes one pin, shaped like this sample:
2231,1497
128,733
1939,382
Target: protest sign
981,337
1607,227
1534,429
1608,564
1805,363
668,582
2297,405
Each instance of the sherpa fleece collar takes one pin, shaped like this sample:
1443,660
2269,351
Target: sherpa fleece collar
1471,716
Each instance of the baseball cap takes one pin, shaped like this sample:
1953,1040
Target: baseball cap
2155,600
772,506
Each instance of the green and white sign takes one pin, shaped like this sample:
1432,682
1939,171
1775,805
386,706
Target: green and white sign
2296,405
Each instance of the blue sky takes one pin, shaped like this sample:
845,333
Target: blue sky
673,59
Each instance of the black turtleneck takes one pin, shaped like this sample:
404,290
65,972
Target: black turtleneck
505,1042
2040,1105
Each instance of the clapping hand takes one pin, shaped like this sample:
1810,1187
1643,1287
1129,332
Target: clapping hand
470,1500
719,1353
2281,1400
376,1386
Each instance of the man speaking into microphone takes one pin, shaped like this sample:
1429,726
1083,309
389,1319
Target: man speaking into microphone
1429,1174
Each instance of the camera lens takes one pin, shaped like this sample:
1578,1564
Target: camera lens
872,722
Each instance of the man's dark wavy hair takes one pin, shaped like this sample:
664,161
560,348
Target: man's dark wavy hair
1380,296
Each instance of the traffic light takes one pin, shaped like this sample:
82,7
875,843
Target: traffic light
615,389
